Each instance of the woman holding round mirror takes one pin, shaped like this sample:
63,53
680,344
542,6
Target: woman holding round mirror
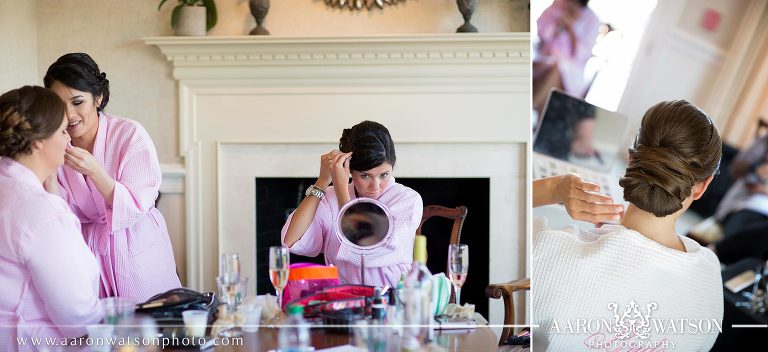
366,154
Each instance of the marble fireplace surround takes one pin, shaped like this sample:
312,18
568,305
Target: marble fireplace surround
456,105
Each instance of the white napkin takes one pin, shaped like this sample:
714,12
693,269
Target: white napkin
268,303
455,311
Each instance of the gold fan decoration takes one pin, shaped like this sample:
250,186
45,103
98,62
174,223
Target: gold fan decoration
360,4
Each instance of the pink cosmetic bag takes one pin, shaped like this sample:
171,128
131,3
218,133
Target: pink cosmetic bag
305,279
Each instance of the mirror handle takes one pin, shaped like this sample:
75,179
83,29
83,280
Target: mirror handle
362,269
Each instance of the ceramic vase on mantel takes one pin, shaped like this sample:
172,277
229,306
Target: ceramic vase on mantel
467,8
191,21
259,9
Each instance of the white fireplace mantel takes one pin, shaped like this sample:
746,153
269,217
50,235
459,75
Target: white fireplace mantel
457,105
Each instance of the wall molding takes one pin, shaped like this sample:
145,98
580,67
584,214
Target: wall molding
223,51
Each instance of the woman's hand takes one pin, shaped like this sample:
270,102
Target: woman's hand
339,168
579,197
334,167
85,163
324,180
82,161
340,174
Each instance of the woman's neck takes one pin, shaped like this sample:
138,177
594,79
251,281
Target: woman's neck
87,140
36,165
660,230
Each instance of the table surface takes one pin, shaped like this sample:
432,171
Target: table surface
479,339
739,339
736,299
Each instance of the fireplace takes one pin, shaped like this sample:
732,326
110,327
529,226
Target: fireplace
277,197
457,107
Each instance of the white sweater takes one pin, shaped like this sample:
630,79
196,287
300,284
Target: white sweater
581,277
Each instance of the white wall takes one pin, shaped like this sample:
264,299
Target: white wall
140,79
314,18
677,59
18,61
731,13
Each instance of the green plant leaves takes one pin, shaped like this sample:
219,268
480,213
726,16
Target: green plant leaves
211,16
175,15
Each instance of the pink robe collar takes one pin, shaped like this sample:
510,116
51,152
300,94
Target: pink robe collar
20,172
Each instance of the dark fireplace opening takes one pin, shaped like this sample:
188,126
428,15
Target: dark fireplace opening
276,198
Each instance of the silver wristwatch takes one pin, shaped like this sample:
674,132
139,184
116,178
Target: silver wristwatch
315,191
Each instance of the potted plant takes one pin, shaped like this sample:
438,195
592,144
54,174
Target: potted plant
192,17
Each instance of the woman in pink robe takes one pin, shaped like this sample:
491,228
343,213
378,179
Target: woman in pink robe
367,153
111,180
48,277
567,32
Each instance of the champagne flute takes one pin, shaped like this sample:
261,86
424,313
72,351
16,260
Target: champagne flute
279,261
458,267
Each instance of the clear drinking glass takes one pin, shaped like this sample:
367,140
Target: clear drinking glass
279,260
458,267
229,278
229,282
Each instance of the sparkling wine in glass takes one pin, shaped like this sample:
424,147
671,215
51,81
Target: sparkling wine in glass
279,261
458,267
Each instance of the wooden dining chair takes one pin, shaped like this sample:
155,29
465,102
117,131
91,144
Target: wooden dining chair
506,291
458,215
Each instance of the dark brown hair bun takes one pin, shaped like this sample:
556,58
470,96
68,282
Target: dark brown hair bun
370,144
676,147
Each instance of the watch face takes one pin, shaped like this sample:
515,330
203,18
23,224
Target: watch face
314,191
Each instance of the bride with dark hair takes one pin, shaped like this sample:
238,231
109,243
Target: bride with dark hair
366,154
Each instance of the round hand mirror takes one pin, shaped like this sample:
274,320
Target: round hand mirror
363,223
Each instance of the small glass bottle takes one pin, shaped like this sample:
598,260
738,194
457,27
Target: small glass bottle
294,335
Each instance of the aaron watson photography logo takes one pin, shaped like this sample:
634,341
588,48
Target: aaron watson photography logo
632,322
634,327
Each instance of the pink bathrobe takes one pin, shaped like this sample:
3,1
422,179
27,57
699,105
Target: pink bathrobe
556,43
383,265
48,279
130,238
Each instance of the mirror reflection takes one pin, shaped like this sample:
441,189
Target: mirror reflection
364,222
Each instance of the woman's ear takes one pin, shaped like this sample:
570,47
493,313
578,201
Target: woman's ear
38,145
699,188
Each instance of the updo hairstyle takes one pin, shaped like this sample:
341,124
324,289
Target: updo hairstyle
676,147
79,71
370,144
28,114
